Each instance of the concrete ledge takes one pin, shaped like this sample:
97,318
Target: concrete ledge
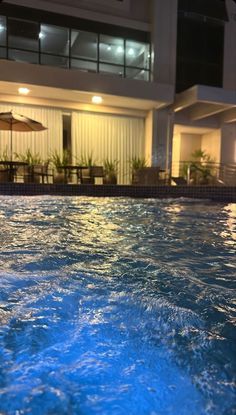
214,193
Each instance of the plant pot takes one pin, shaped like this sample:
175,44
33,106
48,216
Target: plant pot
31,179
59,178
110,179
4,176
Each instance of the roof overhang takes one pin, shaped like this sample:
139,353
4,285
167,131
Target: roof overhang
68,88
201,103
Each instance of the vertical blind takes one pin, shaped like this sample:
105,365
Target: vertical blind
41,142
105,136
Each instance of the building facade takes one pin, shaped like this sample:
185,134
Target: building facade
121,79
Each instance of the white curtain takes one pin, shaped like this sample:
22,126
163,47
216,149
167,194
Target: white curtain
41,142
108,136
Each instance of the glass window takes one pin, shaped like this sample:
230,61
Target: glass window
111,69
137,54
86,66
51,60
23,56
23,34
2,30
54,39
3,53
83,45
134,73
111,49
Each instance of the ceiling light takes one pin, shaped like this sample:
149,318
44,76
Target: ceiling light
131,52
2,28
23,91
119,49
96,99
41,35
108,47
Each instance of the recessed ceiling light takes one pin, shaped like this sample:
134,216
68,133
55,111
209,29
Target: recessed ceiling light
96,99
23,91
131,52
119,49
1,28
108,47
41,35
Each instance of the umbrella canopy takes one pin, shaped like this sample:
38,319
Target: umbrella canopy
10,121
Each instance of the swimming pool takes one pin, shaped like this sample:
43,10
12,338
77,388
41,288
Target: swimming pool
117,306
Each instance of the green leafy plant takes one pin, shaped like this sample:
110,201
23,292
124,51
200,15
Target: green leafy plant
60,160
110,167
137,163
28,157
4,156
200,168
86,160
110,171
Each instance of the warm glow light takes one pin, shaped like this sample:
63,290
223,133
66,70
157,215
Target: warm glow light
23,91
96,99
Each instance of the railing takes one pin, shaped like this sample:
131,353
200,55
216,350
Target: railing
204,173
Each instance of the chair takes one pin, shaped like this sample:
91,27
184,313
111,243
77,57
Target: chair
180,181
88,175
38,173
146,176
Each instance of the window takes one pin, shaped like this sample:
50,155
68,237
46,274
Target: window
2,31
84,45
54,40
137,54
46,44
111,50
23,34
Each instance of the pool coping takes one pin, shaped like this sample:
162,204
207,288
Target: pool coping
215,193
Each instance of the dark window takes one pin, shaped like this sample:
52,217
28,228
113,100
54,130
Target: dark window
199,53
23,34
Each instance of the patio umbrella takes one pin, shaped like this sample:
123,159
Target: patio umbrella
10,121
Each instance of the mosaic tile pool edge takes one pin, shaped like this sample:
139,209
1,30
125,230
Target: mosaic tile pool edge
215,193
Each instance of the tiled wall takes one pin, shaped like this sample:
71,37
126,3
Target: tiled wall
215,193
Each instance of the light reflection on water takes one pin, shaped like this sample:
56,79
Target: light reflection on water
117,306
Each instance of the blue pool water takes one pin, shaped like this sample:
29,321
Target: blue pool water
117,306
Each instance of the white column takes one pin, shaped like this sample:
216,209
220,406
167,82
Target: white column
163,122
229,74
228,143
164,35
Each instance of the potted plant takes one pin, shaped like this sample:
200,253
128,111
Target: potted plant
136,163
4,172
88,162
59,161
32,159
110,171
201,169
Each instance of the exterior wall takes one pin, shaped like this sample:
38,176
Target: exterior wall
228,140
189,143
229,76
133,13
211,144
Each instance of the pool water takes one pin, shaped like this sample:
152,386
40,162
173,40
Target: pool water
116,306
